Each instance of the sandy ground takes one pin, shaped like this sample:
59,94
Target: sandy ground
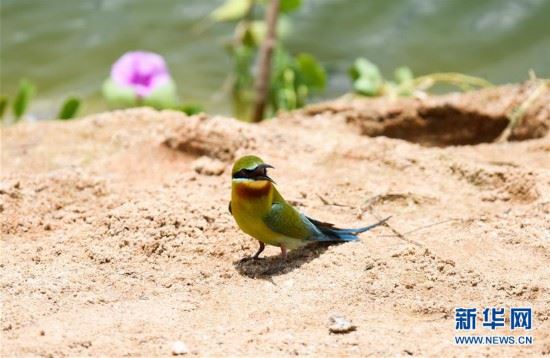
117,241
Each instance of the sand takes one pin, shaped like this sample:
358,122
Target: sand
117,241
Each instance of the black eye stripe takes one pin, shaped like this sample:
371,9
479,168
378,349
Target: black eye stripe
243,173
250,173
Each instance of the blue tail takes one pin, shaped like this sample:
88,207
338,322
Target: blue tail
335,234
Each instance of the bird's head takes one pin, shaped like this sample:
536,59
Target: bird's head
250,168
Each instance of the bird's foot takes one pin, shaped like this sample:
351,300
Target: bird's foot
256,255
249,258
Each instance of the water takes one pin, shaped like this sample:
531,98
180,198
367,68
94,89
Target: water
67,47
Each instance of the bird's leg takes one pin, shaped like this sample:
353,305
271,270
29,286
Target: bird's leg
283,253
256,255
260,250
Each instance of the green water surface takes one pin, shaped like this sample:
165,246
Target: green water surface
67,47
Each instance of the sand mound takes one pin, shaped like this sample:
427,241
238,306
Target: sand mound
454,119
116,239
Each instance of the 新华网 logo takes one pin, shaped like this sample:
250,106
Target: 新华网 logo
493,318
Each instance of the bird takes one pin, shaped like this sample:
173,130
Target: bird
261,212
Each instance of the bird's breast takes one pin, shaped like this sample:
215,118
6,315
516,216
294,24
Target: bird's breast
250,201
253,190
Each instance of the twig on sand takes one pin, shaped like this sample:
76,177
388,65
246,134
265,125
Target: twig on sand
413,242
398,234
427,226
431,225
326,202
370,204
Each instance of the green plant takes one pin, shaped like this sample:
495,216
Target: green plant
3,106
69,108
292,78
22,98
367,80
515,116
191,109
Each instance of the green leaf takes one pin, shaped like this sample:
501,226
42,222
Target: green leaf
163,97
231,10
290,5
243,61
311,71
293,78
191,109
117,95
403,75
366,76
281,61
364,68
69,108
284,27
22,98
301,94
405,80
366,86
3,105
257,30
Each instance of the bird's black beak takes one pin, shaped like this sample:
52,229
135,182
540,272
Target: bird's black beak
263,169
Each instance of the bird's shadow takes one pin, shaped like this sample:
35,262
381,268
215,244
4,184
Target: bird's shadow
270,266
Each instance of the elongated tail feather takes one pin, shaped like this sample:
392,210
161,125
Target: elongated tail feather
332,233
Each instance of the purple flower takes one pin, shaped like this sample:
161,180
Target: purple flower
141,71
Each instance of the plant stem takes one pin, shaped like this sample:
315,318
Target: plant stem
517,114
262,81
457,79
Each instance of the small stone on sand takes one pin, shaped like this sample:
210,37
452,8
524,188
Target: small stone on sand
339,324
208,166
179,348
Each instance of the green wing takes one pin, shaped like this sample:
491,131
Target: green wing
286,220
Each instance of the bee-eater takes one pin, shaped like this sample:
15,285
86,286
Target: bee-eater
261,212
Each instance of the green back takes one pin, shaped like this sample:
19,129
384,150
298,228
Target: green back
286,220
